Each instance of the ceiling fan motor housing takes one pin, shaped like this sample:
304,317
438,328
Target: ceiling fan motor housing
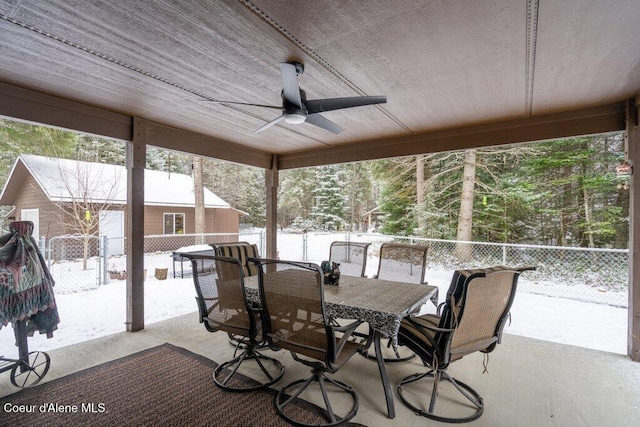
294,114
299,67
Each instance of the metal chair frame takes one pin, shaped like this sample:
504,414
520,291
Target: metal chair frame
249,340
386,248
340,244
287,310
432,337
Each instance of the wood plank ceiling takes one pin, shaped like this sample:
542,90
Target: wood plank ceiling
443,65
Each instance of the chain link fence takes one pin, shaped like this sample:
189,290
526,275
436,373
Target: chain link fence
600,276
589,275
78,263
74,262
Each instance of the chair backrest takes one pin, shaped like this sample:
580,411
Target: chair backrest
293,308
352,257
406,263
241,251
221,296
476,308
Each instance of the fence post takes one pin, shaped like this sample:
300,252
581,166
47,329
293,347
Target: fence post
504,254
104,255
304,245
48,252
43,246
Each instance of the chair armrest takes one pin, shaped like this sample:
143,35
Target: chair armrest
347,331
431,328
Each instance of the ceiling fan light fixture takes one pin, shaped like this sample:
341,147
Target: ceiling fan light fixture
295,118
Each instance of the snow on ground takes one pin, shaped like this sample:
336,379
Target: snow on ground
99,312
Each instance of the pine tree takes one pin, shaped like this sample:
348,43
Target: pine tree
329,198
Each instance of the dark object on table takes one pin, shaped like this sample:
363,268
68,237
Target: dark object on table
331,271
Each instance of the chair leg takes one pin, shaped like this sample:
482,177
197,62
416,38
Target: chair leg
225,374
284,399
465,390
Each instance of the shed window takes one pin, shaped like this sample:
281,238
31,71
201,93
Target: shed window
173,223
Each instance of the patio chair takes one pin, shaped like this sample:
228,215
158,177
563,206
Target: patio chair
240,250
295,319
472,318
352,257
405,263
223,306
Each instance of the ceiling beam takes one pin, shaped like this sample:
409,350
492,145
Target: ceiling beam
602,119
21,104
164,136
35,107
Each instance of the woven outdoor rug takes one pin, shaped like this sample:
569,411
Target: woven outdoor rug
160,386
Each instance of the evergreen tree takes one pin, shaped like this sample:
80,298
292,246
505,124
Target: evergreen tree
100,150
295,198
22,138
168,160
329,198
397,195
240,186
579,204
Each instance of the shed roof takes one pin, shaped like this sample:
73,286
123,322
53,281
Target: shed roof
66,180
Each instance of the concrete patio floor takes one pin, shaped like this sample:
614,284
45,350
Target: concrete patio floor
529,382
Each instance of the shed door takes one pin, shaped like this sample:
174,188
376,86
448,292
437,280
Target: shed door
111,224
32,215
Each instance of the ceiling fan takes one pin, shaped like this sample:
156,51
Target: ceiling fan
296,109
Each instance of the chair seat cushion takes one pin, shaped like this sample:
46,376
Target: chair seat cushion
416,333
242,252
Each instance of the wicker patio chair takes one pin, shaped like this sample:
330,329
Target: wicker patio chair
406,263
472,318
295,320
223,306
352,257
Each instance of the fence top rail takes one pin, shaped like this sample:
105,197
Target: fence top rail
74,237
200,234
511,245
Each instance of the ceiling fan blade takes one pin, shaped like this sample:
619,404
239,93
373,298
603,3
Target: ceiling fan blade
324,123
329,104
290,86
269,124
240,103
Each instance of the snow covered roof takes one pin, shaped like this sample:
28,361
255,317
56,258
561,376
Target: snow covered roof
66,180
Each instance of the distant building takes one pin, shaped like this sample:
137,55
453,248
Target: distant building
40,188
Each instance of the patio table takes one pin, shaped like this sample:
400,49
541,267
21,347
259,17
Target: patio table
381,303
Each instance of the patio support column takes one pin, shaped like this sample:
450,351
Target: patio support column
271,182
633,157
136,160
